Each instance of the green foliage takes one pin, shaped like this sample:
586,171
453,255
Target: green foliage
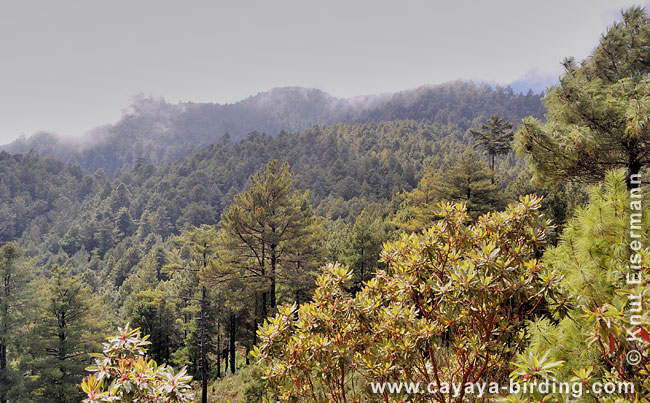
468,181
199,244
150,311
495,137
115,230
357,244
34,194
270,233
67,329
531,371
156,131
594,258
363,245
106,228
418,211
451,306
560,199
16,291
246,386
598,116
124,373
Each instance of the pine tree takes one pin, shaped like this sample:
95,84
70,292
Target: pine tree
150,311
68,328
200,248
271,233
363,246
598,115
15,277
417,210
123,223
594,259
119,197
469,181
146,304
495,137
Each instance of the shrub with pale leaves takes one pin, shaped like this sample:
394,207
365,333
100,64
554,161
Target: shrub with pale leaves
124,373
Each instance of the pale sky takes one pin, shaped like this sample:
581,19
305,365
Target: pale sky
68,66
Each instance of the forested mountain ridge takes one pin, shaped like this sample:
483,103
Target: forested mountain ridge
407,244
345,167
159,132
114,232
116,235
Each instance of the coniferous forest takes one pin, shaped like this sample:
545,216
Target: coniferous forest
299,247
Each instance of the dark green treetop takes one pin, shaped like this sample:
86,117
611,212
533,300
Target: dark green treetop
598,115
495,137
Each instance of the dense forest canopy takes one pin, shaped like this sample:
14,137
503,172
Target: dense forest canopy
159,132
116,228
346,167
324,247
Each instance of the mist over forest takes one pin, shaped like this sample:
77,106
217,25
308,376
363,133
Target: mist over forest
298,247
159,132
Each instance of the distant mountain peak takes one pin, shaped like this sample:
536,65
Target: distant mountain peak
289,94
161,132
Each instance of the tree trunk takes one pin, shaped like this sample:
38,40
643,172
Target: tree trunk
3,368
363,258
633,168
218,351
492,168
256,321
62,355
224,355
264,307
232,343
3,344
204,358
164,337
274,262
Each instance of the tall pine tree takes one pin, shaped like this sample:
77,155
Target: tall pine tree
15,277
68,328
495,137
364,242
270,233
600,274
199,244
598,115
470,181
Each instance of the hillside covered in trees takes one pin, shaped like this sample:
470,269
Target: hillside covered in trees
159,132
328,248
118,236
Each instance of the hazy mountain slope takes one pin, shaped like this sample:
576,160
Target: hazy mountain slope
459,103
347,167
37,195
159,132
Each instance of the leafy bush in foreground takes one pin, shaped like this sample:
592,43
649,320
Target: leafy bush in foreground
123,373
450,307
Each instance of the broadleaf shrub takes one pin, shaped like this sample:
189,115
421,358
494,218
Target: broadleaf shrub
124,373
451,306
